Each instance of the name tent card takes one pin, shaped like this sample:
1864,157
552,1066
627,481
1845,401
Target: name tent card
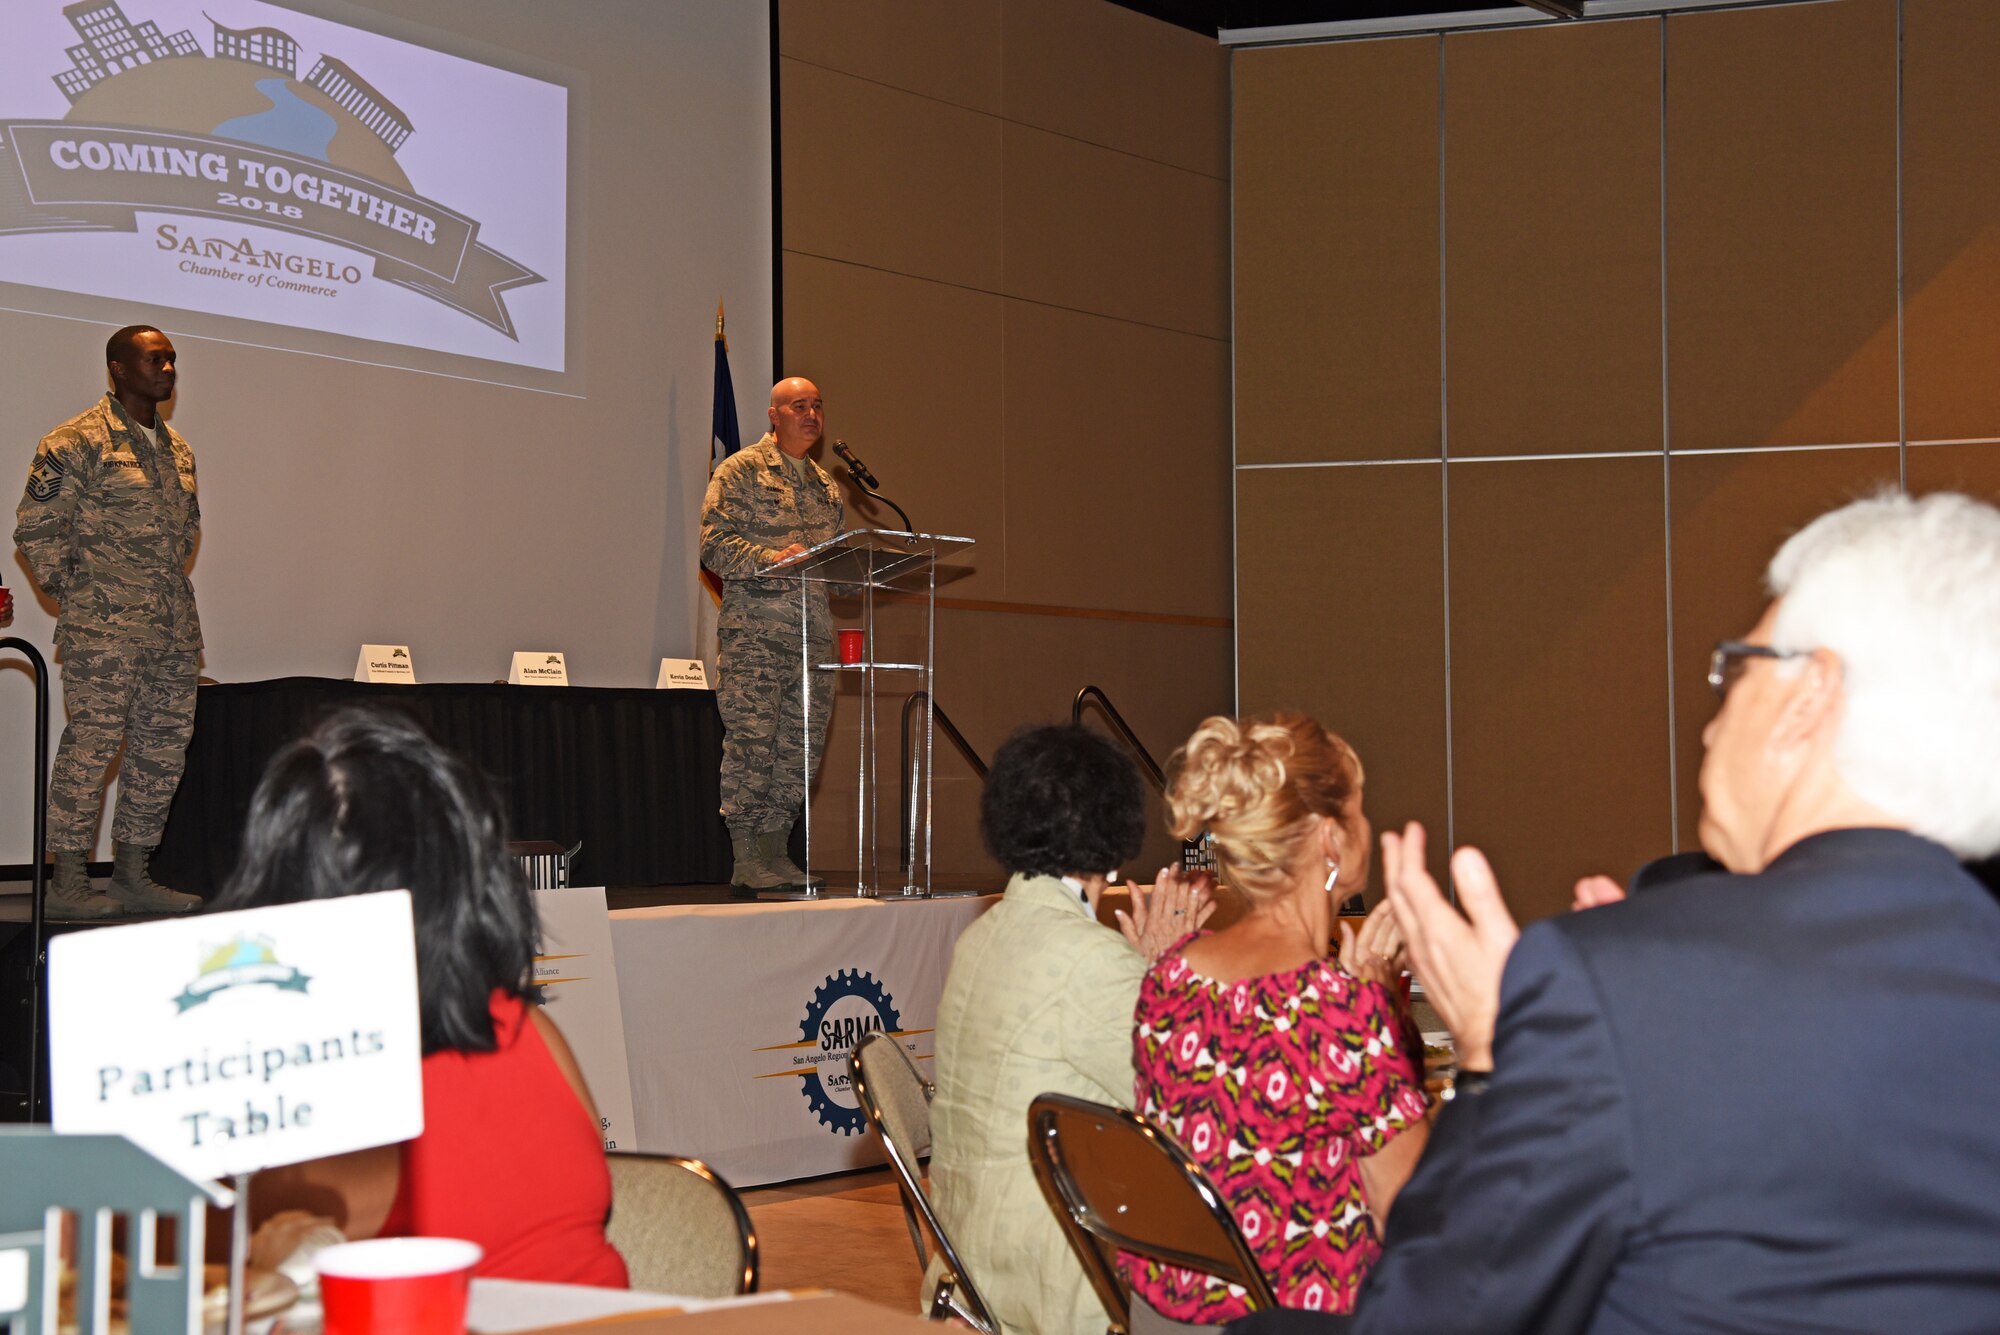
237,1041
537,667
682,674
386,663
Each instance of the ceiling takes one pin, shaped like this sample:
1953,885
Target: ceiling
1205,16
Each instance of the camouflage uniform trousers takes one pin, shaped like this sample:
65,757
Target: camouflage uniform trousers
763,741
143,696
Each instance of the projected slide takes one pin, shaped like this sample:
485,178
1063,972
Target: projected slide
250,161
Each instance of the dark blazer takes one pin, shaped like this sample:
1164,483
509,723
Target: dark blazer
1735,1103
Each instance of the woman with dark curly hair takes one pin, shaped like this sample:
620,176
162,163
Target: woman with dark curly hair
1039,999
511,1156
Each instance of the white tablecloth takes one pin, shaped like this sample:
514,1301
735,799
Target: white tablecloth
739,1020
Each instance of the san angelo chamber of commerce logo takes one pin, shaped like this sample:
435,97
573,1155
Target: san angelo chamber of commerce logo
212,139
242,961
846,1007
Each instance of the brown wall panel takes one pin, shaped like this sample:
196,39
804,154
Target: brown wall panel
1781,225
1559,671
1336,230
1150,253
1951,219
949,52
1552,239
886,178
1972,469
1107,75
1117,490
1730,513
1340,612
917,397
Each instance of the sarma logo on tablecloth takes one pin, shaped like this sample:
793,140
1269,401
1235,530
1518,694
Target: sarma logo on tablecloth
845,1007
242,961
234,135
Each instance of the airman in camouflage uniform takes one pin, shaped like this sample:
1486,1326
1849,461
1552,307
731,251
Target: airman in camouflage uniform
108,524
765,502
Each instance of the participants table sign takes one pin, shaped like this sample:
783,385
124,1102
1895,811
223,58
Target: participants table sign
389,663
537,667
237,1041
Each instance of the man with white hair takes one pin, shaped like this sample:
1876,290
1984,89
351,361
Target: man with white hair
1758,1099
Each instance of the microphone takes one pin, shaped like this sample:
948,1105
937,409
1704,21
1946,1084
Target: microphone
854,465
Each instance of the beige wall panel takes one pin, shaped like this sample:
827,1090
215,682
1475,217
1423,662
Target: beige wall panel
1730,513
881,177
1107,75
1559,671
1972,469
1951,219
1116,235
950,52
907,367
1117,487
1781,224
998,672
1336,244
1552,239
1340,604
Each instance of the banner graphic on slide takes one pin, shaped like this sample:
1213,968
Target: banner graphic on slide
222,180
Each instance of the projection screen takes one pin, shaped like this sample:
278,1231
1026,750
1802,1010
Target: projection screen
443,278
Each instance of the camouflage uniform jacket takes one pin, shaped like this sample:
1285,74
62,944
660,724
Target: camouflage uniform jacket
108,531
756,506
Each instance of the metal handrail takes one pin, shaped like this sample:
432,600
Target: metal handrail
1125,733
38,944
907,796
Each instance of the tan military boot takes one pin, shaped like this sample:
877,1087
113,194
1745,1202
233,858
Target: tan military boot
778,857
753,870
70,895
134,889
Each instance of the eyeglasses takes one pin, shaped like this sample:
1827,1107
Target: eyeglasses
1727,661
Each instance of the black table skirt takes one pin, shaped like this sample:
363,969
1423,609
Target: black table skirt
631,773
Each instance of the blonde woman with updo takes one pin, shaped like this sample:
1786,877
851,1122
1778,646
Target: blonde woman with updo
1282,1063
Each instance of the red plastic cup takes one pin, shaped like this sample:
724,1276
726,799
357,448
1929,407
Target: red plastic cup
852,645
397,1286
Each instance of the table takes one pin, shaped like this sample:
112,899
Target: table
739,1020
630,772
505,1307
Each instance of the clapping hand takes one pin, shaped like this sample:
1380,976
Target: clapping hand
1180,903
1376,953
1594,892
1458,959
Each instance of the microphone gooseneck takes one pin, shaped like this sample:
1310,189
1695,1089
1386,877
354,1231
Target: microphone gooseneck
865,480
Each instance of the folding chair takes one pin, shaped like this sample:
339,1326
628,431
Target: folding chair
680,1227
897,1100
1119,1183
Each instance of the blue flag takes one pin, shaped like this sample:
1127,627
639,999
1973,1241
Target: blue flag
724,437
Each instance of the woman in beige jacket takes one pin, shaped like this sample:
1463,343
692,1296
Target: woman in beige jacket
1040,999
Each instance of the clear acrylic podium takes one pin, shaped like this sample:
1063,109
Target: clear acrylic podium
866,561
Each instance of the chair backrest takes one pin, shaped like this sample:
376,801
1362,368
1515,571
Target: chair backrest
897,1100
1119,1183
680,1228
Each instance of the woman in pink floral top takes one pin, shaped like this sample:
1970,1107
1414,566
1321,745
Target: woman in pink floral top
1288,1075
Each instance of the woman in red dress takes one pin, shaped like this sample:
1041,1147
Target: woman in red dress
511,1156
1288,1072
